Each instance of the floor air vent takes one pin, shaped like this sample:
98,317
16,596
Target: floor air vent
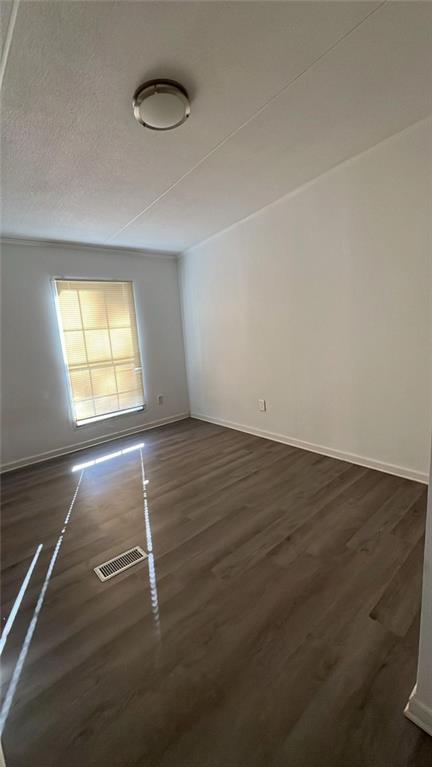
115,566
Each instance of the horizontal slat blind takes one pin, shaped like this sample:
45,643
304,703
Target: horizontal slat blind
100,341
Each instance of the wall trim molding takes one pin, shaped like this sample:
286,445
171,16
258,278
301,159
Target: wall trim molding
418,712
75,447
87,246
369,463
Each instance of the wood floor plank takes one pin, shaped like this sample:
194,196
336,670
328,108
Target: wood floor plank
245,638
392,512
337,704
382,736
325,517
411,526
400,602
291,511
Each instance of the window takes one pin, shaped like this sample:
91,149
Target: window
100,343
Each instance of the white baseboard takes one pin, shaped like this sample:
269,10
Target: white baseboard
419,713
369,463
46,456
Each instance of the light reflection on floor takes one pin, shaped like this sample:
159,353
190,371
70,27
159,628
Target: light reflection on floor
107,457
151,563
82,468
19,598
10,694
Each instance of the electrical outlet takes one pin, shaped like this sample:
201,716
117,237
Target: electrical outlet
262,405
160,399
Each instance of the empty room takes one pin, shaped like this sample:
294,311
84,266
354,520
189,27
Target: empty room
216,383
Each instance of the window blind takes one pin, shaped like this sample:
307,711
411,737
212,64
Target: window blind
100,343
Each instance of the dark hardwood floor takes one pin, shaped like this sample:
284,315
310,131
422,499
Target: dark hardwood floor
274,624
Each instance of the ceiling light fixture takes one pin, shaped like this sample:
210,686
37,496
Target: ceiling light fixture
161,104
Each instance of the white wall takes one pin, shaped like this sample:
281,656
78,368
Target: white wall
419,707
35,413
320,303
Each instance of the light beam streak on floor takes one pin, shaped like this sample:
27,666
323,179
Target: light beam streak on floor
151,562
10,694
19,598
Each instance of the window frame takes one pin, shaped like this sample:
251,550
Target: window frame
109,416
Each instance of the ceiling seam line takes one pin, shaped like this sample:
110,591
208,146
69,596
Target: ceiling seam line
8,41
298,189
246,122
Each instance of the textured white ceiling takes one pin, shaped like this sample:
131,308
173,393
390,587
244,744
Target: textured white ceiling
280,93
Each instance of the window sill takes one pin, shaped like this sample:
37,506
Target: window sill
108,416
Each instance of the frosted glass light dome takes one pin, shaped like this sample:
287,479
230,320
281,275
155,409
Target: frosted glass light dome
161,105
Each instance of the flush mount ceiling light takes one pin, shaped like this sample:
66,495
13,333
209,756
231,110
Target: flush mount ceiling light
161,104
